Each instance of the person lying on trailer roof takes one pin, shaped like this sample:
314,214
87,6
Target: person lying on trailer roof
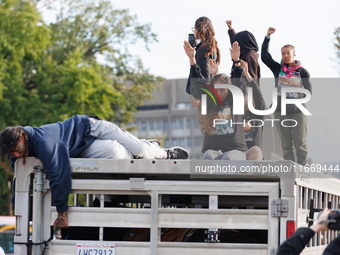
78,137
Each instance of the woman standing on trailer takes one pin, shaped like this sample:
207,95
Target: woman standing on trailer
289,73
206,49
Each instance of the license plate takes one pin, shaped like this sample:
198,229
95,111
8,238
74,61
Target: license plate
96,248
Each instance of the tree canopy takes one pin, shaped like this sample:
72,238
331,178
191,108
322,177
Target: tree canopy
79,64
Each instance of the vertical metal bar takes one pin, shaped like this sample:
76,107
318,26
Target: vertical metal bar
310,197
336,206
159,229
101,200
23,206
320,206
316,205
154,233
305,199
46,218
300,197
75,199
330,231
333,207
213,204
326,235
87,200
101,229
38,186
320,200
276,227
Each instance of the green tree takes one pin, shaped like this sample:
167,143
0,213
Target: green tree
79,64
337,43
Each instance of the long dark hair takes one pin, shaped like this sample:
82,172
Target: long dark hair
212,109
206,33
9,139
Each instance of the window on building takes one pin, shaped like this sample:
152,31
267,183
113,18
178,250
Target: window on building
182,142
174,142
181,124
198,141
188,123
166,143
166,125
174,124
143,126
185,105
188,142
159,125
151,126
196,124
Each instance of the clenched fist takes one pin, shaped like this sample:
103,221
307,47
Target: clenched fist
229,24
270,31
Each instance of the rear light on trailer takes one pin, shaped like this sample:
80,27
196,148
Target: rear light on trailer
290,228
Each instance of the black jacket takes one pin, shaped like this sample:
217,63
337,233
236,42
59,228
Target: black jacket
203,70
297,242
275,67
249,49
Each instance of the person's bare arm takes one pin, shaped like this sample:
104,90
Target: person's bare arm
190,51
270,31
213,67
235,53
61,221
320,224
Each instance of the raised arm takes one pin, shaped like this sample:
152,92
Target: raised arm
297,242
190,52
253,66
236,72
231,31
265,55
213,67
257,94
237,76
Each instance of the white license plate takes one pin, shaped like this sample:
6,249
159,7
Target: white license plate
96,248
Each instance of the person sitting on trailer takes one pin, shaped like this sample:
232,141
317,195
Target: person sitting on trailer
222,139
80,136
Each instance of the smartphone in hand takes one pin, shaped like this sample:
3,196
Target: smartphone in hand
192,40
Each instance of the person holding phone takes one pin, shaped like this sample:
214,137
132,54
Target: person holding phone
225,141
298,241
206,49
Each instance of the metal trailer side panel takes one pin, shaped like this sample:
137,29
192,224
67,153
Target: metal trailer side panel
143,248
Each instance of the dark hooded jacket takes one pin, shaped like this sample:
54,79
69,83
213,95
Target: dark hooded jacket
54,144
249,49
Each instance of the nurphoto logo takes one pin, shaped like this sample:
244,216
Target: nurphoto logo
238,104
